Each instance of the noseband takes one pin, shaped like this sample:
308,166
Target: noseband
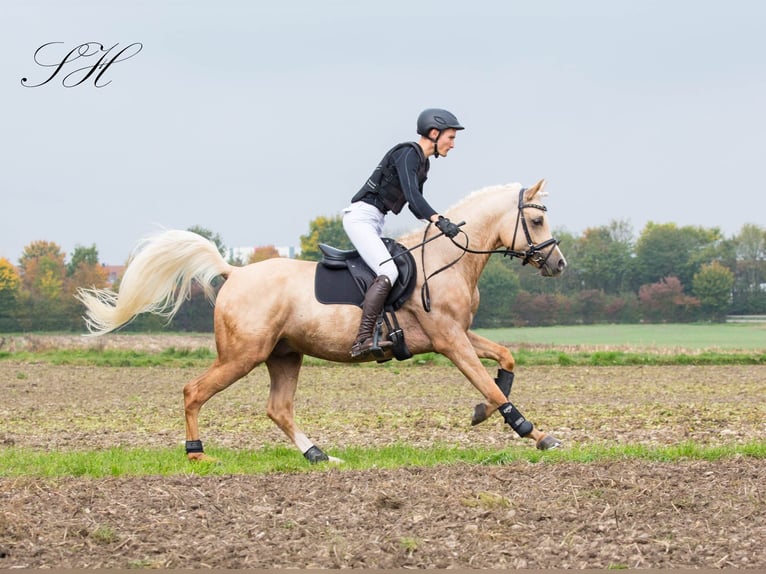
534,253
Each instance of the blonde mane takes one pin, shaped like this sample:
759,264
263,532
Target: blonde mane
471,197
474,200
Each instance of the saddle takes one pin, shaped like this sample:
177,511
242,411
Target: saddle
342,278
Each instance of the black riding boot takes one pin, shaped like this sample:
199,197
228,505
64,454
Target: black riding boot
371,308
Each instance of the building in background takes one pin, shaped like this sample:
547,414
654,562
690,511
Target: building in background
113,273
244,253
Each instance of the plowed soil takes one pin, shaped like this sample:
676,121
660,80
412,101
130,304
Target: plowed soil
618,514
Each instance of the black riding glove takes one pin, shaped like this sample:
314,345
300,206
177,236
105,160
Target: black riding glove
447,227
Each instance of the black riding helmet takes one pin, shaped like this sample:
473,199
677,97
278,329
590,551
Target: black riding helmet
436,118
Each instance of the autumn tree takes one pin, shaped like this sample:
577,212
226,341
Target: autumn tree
84,270
665,250
591,305
10,282
665,301
712,285
43,269
263,253
323,229
41,300
82,256
541,309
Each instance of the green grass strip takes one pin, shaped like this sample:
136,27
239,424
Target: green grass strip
170,357
200,358
624,358
120,461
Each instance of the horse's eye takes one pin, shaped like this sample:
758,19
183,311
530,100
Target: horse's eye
537,221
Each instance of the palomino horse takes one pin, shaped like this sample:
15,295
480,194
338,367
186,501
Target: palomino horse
267,312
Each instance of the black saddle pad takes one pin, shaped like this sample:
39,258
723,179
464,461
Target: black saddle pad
343,277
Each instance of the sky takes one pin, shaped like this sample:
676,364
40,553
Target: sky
251,119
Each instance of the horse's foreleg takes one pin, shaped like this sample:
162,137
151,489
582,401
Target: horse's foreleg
283,371
486,349
461,351
196,393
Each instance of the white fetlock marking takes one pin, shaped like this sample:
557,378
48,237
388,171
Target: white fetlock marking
302,442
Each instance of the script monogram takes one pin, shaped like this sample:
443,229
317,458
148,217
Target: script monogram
87,51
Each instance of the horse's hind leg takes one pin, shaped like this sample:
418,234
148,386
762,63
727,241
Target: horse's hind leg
219,376
283,370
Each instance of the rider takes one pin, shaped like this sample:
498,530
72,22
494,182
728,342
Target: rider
397,180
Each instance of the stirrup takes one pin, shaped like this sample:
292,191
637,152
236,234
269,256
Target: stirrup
369,345
374,344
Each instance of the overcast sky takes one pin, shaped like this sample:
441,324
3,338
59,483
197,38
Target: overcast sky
251,118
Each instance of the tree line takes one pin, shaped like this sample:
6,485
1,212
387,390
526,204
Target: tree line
668,273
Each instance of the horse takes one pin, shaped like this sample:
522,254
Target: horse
267,312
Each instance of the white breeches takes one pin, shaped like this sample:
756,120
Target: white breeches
364,226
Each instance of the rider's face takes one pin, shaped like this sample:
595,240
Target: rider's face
446,141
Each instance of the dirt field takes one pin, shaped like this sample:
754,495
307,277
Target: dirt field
610,514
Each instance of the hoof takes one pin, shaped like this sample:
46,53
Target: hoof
479,414
548,442
202,457
315,455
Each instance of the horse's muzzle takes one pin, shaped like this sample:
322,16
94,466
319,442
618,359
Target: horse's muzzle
554,264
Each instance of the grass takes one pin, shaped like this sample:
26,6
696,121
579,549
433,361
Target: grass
200,358
664,337
170,357
119,461
581,345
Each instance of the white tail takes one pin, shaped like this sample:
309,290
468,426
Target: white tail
157,280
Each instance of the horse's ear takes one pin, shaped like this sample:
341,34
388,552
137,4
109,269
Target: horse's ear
534,190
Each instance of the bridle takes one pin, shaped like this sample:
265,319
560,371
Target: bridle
534,252
537,254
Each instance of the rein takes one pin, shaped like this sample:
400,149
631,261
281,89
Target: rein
533,253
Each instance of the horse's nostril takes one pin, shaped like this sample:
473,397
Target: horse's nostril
562,264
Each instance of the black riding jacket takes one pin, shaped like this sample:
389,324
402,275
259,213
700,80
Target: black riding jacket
399,179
